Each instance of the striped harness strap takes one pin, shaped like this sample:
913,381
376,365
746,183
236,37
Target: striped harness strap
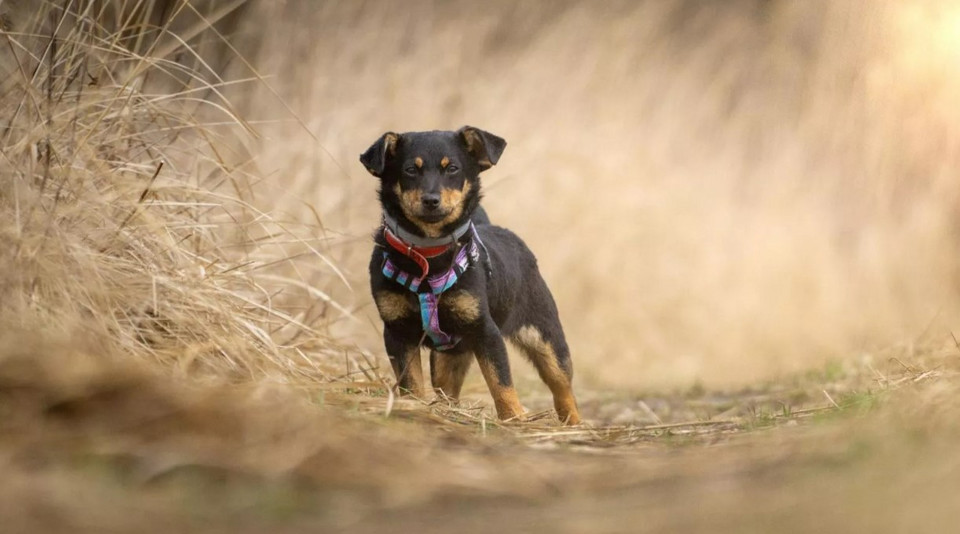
436,284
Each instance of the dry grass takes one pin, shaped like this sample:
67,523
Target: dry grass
127,213
762,340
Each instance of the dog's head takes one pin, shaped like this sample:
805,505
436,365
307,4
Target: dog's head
432,178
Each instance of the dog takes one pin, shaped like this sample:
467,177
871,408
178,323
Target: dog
442,276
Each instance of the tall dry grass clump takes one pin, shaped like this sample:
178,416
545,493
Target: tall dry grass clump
126,200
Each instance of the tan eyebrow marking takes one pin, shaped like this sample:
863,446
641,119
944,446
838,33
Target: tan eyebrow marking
418,162
444,162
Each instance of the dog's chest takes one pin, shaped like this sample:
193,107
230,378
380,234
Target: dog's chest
455,308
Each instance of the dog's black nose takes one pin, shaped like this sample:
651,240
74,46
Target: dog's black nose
430,201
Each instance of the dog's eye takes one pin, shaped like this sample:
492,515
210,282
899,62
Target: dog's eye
452,169
410,171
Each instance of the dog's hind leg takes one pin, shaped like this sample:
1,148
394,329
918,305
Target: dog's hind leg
447,372
551,357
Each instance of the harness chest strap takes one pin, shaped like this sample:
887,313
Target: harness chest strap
436,285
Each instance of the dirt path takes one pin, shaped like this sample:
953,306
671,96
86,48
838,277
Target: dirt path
132,452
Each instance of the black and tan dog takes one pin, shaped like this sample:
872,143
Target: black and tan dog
444,277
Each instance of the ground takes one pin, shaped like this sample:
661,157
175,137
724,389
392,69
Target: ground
850,449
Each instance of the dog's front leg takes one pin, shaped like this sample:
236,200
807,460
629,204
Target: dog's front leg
491,354
405,360
447,372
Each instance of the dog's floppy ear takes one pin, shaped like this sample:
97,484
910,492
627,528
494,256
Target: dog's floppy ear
483,146
375,158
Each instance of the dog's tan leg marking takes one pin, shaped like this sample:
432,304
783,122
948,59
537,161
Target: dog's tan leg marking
541,353
462,305
411,379
504,397
447,372
393,305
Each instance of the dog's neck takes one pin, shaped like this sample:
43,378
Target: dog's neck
392,224
417,254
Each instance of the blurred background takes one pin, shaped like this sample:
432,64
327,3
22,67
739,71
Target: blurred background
717,192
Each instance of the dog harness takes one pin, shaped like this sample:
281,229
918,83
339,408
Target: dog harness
435,285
